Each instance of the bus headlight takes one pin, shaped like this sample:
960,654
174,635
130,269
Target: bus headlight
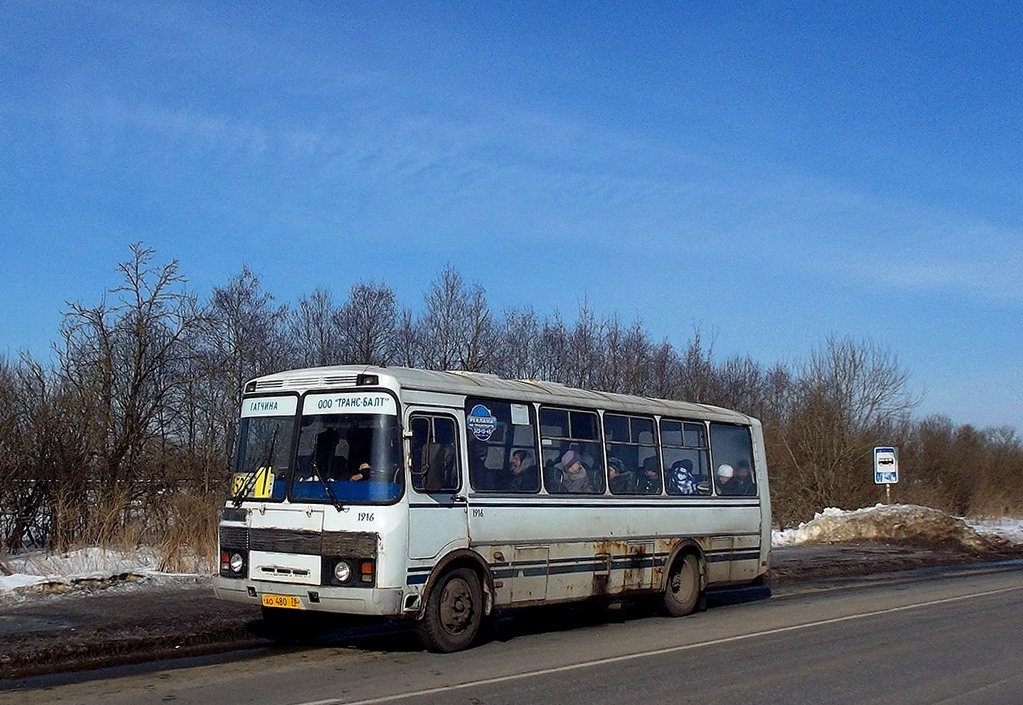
342,571
233,563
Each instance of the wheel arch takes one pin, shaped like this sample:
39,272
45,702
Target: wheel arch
461,558
684,548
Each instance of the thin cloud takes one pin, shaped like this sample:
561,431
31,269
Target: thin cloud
532,174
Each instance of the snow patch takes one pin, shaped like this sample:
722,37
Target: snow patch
902,523
39,572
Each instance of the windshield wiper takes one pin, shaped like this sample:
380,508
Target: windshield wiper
238,497
326,485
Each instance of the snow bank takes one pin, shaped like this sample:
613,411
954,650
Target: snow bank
37,572
901,523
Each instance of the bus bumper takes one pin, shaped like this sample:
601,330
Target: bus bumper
377,602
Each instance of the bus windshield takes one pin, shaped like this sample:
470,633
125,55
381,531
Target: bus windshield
264,449
347,457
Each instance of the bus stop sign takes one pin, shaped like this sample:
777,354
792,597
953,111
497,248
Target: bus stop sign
886,466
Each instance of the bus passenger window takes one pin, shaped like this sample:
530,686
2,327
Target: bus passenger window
573,457
686,457
630,441
732,451
502,446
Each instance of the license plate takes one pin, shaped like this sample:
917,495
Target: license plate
288,602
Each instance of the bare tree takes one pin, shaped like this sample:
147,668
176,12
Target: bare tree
932,464
1000,491
629,351
408,344
740,384
583,351
53,497
456,331
26,475
315,331
147,386
517,346
664,371
242,336
367,324
848,398
480,333
123,362
697,375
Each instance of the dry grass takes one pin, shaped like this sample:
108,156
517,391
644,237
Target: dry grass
188,543
179,528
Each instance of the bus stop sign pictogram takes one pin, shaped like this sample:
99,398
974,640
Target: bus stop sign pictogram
886,466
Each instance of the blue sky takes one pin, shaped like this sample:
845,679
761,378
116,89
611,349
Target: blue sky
768,172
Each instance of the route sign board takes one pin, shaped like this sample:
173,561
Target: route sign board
886,465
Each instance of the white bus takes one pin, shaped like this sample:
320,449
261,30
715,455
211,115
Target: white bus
443,497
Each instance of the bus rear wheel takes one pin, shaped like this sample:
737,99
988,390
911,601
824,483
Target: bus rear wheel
454,612
683,591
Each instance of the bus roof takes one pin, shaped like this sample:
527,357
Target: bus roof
486,385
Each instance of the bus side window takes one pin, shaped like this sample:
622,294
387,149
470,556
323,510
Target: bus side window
434,453
732,451
685,457
630,442
564,431
502,446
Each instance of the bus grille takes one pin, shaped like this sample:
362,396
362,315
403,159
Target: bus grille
329,543
234,537
283,541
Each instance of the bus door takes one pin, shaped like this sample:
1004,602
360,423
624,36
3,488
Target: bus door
438,519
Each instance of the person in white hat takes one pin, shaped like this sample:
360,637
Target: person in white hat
724,476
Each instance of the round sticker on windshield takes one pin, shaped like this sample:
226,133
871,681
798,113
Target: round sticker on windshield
481,422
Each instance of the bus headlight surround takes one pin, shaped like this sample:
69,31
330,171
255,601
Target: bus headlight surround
342,571
233,562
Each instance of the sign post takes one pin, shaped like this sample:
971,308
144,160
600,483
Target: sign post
886,469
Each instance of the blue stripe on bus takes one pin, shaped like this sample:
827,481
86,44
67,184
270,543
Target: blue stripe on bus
587,564
631,540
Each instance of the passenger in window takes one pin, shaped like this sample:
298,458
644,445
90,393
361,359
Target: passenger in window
681,478
523,473
552,476
518,460
322,464
621,480
650,481
574,477
725,479
743,480
362,473
482,476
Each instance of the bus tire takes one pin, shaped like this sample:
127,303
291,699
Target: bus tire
454,612
682,593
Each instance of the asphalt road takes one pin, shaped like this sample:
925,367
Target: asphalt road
949,638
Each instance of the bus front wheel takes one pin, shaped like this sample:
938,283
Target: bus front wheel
683,590
454,612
